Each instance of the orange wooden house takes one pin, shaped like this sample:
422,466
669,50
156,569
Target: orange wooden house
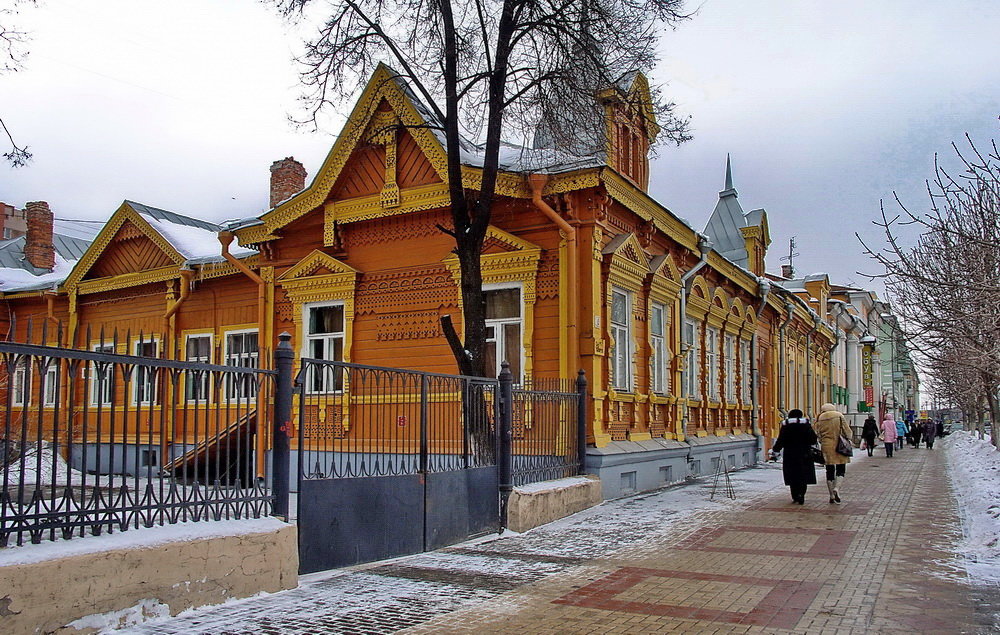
685,346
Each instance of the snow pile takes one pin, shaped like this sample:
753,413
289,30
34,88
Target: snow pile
112,620
974,466
50,460
194,243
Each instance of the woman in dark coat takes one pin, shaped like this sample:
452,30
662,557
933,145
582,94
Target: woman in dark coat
869,432
930,430
796,438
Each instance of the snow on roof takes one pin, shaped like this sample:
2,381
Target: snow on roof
196,244
16,279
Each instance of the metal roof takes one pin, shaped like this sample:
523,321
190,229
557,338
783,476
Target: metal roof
171,217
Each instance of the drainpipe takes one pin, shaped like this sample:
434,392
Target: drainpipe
187,274
226,239
809,356
763,290
833,347
782,354
50,304
537,183
704,248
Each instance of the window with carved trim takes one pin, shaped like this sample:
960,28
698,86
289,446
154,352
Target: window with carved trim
660,359
730,367
503,331
692,360
712,361
144,386
745,372
621,333
324,339
198,348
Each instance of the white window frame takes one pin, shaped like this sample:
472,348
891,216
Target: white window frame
106,386
19,395
621,333
139,371
712,361
729,346
745,372
50,394
204,378
499,336
329,347
660,358
225,359
692,361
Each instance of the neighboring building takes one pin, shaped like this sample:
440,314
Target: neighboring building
12,222
693,354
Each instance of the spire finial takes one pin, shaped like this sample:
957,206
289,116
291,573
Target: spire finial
729,173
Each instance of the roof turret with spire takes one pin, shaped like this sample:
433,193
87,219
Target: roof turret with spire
732,230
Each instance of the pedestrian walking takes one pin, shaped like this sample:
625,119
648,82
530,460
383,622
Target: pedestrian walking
889,434
930,431
913,436
830,426
900,433
796,438
868,434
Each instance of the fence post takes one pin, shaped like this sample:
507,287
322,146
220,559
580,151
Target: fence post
581,421
505,461
284,358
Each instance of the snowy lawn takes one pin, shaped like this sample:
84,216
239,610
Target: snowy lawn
974,466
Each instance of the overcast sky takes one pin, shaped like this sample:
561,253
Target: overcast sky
825,107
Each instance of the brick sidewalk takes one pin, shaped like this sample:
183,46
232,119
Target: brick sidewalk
878,563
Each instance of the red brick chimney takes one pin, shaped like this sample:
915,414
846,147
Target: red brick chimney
787,272
38,247
288,177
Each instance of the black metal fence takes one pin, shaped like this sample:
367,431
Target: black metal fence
113,437
356,421
104,434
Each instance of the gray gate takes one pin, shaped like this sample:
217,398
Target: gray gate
391,462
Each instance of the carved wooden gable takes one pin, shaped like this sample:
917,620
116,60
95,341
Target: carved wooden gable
386,145
627,258
126,252
129,251
505,258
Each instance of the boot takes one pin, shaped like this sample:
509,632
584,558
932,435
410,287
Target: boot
833,492
836,488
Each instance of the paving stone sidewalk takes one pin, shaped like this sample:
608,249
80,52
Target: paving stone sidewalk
879,563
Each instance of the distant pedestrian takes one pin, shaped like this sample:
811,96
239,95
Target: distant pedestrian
830,426
930,431
868,433
796,438
889,434
900,433
913,436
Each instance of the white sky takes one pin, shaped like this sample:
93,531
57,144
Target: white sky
825,108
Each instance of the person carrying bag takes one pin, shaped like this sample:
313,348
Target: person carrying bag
834,437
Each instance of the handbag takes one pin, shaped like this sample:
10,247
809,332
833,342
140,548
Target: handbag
816,454
844,447
864,445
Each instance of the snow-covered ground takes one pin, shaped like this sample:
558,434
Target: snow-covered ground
974,466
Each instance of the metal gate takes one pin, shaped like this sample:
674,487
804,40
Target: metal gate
391,462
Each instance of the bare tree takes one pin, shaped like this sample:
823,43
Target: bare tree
490,70
946,287
12,53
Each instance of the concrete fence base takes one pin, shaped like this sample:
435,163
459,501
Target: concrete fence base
79,587
534,505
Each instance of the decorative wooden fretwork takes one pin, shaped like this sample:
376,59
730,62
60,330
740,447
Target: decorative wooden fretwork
409,326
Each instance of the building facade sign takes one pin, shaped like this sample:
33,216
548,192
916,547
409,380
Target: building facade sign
866,375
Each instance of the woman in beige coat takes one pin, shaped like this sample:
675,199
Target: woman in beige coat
829,427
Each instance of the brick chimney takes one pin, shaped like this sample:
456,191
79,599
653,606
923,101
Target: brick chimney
288,177
38,247
787,272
